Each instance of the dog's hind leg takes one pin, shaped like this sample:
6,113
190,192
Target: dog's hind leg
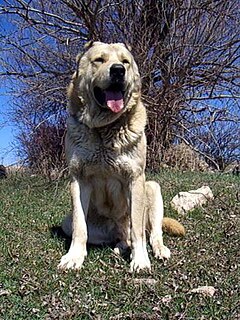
123,235
66,225
154,208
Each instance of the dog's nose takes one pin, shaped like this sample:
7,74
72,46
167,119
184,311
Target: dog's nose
117,71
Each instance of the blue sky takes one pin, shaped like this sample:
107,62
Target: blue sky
7,130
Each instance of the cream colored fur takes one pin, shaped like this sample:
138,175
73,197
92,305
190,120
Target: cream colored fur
106,153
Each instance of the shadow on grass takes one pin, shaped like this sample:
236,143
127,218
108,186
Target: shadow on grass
57,232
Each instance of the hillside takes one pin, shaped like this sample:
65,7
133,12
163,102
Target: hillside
32,288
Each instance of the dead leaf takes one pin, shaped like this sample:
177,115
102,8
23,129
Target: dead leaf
148,281
205,290
166,299
4,292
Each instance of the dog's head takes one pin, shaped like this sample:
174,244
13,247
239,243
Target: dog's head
105,85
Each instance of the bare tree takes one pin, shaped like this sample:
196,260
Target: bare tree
187,52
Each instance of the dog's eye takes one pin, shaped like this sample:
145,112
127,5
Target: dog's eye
99,59
125,61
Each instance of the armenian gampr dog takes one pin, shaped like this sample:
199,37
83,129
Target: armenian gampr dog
112,203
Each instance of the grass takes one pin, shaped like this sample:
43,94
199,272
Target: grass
32,288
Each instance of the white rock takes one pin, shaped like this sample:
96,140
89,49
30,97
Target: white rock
187,201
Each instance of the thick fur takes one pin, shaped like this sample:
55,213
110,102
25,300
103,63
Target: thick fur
106,152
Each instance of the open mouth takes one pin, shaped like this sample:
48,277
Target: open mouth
112,97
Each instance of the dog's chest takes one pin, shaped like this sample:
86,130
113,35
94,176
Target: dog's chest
104,161
109,197
90,153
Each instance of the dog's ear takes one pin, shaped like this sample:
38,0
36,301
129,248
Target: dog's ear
128,46
78,58
125,45
87,46
91,43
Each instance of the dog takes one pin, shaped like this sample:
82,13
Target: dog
106,152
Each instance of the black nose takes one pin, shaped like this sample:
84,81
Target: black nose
117,71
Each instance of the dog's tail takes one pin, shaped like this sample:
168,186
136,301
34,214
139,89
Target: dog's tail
173,227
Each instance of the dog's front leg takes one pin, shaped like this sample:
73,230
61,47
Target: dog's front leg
80,194
140,258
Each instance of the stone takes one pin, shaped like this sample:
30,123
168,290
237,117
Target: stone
184,202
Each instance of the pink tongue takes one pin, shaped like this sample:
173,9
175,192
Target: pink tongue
114,100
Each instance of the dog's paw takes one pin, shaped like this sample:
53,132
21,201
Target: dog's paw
140,262
121,248
161,252
71,261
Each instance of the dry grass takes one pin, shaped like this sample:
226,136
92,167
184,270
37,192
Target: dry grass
183,157
32,288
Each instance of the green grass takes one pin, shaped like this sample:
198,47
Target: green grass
32,288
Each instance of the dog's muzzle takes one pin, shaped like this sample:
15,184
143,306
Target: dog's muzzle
113,96
117,73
